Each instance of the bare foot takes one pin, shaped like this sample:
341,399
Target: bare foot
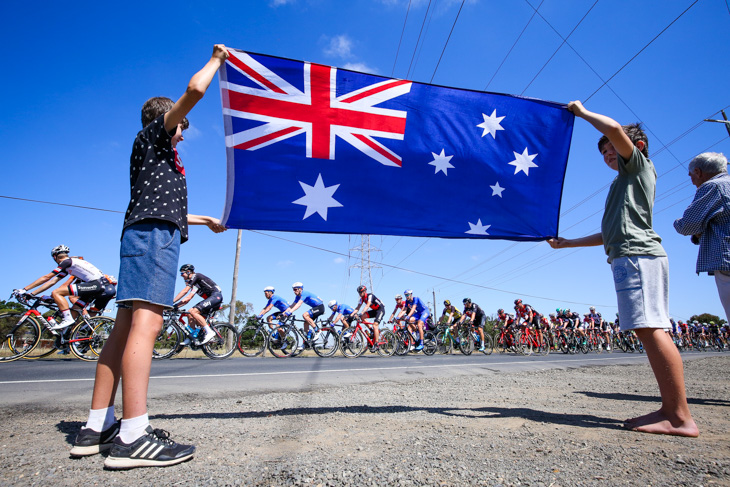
659,424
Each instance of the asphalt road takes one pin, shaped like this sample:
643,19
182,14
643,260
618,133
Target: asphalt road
70,381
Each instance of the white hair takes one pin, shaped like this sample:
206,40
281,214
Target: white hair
709,162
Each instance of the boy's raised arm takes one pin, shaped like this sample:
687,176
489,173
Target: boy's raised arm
196,88
607,126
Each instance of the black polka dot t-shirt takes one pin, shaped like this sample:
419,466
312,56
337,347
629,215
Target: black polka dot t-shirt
157,179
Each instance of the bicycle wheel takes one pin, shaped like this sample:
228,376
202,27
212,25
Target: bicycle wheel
352,343
102,326
429,343
224,343
404,341
168,341
80,340
444,345
21,336
466,344
387,343
252,341
286,342
327,342
48,342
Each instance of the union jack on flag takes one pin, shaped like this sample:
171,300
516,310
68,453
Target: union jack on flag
314,148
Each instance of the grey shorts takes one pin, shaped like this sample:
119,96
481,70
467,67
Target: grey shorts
642,291
148,263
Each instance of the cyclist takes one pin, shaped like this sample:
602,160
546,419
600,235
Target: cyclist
477,317
450,314
274,301
416,317
206,288
526,314
340,312
314,302
401,309
90,284
600,325
372,307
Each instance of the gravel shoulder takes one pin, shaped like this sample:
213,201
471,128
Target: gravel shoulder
544,428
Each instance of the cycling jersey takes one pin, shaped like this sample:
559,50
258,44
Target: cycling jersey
372,301
420,307
78,268
507,319
309,299
202,285
453,311
278,302
343,309
475,311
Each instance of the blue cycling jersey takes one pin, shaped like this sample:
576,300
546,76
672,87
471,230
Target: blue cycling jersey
418,303
310,299
344,309
278,302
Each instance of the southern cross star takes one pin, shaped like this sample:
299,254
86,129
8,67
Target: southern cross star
491,124
317,198
478,228
523,162
497,189
441,162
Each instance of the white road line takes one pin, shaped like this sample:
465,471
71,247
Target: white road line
299,372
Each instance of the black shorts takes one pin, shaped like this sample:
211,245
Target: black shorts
377,314
210,304
316,312
100,292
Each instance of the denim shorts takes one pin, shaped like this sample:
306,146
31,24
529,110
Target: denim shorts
642,291
148,263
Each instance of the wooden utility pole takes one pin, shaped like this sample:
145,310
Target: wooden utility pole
232,309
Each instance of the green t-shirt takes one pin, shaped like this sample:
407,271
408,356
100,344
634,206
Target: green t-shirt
627,220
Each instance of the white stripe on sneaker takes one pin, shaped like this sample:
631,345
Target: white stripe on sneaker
138,451
156,452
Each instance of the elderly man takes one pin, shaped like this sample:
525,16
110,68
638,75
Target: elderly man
707,219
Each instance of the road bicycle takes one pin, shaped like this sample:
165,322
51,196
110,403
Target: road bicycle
470,340
529,341
253,339
324,341
506,340
359,337
406,340
176,327
29,335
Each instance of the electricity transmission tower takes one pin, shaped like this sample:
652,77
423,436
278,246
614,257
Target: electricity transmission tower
364,253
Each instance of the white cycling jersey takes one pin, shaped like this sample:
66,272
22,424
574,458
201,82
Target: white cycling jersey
79,268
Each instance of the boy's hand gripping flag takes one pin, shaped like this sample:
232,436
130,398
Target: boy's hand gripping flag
313,148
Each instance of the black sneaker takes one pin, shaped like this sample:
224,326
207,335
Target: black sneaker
154,449
90,442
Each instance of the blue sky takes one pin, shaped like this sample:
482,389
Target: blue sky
77,75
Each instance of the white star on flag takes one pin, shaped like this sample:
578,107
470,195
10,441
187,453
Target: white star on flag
497,190
441,162
491,124
478,228
523,162
317,198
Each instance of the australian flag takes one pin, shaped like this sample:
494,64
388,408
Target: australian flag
314,148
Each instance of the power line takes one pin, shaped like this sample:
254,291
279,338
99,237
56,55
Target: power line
558,49
513,45
418,58
401,38
642,50
60,204
447,41
408,74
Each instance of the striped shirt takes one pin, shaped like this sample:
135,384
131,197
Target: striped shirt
709,216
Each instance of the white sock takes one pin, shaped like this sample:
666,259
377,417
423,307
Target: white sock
67,314
133,428
100,419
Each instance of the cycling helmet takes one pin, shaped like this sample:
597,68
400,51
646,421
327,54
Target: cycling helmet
361,288
60,249
592,308
187,268
398,296
332,304
408,291
500,311
297,284
467,301
552,315
518,301
447,303
269,288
